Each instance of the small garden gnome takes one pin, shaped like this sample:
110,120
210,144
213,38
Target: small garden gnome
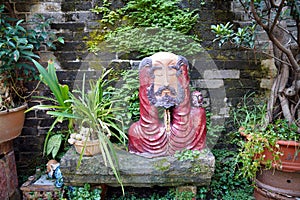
53,171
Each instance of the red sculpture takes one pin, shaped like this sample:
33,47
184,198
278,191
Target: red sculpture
164,84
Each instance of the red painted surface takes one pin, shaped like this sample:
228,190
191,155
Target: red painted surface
151,136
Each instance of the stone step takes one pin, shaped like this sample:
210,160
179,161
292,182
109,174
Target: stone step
137,171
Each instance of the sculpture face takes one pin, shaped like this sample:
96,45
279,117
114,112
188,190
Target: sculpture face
164,82
165,90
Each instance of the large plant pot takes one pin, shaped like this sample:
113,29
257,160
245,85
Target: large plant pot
283,180
91,147
277,184
11,123
290,159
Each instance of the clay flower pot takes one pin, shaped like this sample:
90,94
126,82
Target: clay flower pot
11,123
92,147
289,161
290,158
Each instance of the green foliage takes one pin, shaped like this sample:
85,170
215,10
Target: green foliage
90,108
148,41
160,13
249,117
162,165
128,94
57,144
54,145
260,139
187,154
242,37
58,108
84,193
42,34
180,195
94,109
213,130
225,183
17,51
170,195
145,26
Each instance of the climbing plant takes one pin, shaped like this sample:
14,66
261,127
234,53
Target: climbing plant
145,26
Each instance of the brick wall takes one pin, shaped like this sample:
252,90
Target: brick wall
8,172
223,75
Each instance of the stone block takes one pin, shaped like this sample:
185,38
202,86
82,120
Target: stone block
221,74
72,46
205,83
139,171
266,83
46,7
71,65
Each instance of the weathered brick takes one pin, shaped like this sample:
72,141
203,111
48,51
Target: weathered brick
29,130
72,26
242,83
31,122
71,65
67,56
242,65
46,122
30,143
72,46
46,7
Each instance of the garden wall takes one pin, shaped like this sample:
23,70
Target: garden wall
236,71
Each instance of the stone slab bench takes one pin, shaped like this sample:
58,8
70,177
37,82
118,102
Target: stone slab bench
137,171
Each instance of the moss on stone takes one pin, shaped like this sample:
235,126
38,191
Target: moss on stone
162,165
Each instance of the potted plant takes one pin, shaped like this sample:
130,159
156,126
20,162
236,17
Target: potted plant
267,152
280,120
58,107
18,47
273,147
90,113
93,114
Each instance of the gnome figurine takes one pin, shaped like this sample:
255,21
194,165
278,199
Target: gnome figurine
53,171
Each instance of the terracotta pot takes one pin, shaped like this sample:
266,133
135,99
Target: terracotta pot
290,160
91,148
11,123
277,184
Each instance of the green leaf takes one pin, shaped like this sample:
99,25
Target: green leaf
11,44
64,89
30,53
61,40
62,115
53,144
16,54
50,79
